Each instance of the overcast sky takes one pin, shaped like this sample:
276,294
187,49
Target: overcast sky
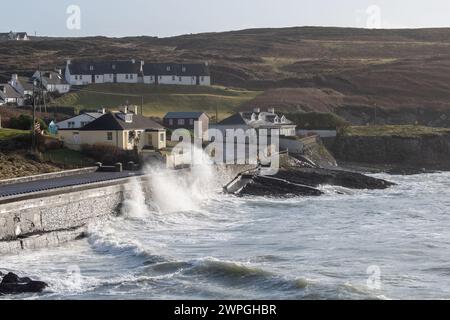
174,17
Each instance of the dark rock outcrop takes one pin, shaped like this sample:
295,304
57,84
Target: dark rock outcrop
298,181
13,284
318,176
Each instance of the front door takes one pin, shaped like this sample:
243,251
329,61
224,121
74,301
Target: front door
93,79
115,78
198,81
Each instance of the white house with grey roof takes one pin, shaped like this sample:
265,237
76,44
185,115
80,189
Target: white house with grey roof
14,36
257,119
84,73
52,81
23,85
177,74
9,95
80,120
133,71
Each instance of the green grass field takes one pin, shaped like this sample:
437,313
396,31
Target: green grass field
158,99
407,131
12,133
67,157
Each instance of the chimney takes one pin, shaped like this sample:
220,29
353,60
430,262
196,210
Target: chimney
15,77
256,110
69,61
271,110
133,61
102,110
59,71
133,109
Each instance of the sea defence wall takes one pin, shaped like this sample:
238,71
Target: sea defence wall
53,217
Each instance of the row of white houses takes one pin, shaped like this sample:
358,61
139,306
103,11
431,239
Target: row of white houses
132,71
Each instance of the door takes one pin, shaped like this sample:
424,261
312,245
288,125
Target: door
198,80
93,79
115,78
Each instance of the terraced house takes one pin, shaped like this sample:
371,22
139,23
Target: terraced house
133,71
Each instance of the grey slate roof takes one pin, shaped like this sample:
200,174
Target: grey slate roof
183,115
27,83
52,77
176,69
113,121
107,67
9,92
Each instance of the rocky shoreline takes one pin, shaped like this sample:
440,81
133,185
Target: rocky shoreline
297,178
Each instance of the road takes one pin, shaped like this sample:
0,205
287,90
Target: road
68,181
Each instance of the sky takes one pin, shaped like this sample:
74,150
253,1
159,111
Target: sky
174,17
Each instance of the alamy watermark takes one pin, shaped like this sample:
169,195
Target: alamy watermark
373,282
73,21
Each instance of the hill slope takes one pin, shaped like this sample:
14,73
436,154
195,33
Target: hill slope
345,69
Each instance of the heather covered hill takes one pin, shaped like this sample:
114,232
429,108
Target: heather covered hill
302,68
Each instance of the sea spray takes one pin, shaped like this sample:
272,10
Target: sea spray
185,189
134,205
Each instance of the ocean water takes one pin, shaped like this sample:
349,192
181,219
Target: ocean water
193,242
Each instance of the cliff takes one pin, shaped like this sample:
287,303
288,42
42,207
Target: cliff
397,146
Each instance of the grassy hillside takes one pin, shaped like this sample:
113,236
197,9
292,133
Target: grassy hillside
158,99
300,68
6,134
406,131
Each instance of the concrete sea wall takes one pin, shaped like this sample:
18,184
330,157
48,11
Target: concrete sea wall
53,217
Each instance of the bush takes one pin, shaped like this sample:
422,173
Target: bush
317,121
24,121
108,154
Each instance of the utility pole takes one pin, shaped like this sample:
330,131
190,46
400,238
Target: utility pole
33,129
142,105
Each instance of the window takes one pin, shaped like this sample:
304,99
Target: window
131,76
168,68
191,122
126,76
203,79
91,68
71,124
179,79
83,123
109,136
173,78
76,77
181,121
170,122
183,69
161,137
151,78
160,77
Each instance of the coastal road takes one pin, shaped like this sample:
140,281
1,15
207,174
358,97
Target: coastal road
22,188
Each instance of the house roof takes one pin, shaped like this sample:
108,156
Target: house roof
52,77
13,35
183,115
9,92
107,67
235,119
176,69
115,121
27,83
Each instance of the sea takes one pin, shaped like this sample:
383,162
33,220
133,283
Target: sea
192,241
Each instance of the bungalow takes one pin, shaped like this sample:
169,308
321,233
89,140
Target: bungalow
84,73
9,95
80,120
124,129
15,36
259,120
52,81
23,85
185,120
180,74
